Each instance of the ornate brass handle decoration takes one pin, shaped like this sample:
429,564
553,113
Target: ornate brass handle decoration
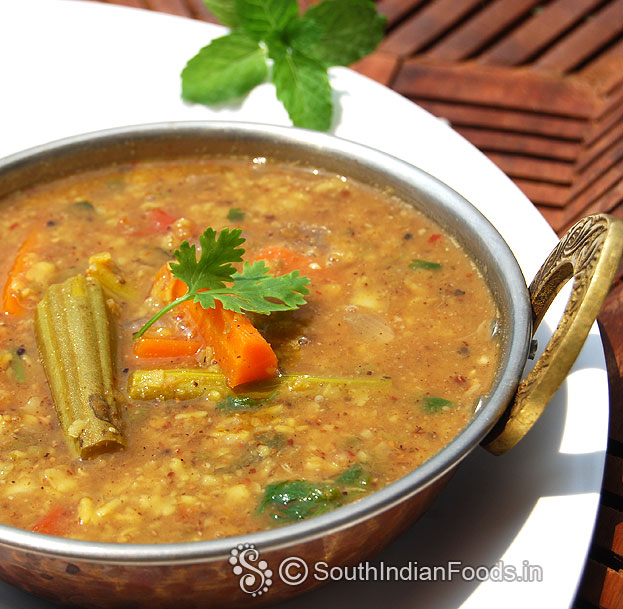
590,252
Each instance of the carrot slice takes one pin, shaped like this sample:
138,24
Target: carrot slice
11,301
55,522
283,261
165,347
241,351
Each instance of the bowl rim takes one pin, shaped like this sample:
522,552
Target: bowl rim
520,322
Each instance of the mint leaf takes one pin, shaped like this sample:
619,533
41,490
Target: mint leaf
261,17
226,69
350,30
303,88
213,267
224,11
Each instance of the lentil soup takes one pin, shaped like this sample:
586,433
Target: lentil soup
381,368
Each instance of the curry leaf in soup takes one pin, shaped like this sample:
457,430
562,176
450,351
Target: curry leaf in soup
242,403
344,31
272,439
354,476
298,499
435,404
226,69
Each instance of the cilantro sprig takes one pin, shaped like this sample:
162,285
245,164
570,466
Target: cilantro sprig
213,278
269,39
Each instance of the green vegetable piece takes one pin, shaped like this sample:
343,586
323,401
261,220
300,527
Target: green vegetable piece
243,403
435,404
255,289
303,88
258,18
84,206
190,383
235,214
73,335
224,11
293,500
344,32
272,439
226,69
354,476
416,263
18,367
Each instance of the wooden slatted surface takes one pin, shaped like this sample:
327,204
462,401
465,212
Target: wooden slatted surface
537,85
529,83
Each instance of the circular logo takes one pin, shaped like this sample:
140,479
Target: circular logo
254,574
293,571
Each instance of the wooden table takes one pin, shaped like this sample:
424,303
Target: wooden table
537,86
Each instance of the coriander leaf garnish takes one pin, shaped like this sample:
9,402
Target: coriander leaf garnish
334,32
213,267
228,68
254,289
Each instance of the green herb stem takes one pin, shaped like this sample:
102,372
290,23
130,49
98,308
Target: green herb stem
162,312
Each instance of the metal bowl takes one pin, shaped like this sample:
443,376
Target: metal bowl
90,574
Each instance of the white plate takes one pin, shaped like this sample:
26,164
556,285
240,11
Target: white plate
70,67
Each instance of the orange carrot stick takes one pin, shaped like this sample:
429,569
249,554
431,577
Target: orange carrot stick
241,351
282,261
11,301
148,346
55,522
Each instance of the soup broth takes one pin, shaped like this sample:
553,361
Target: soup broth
381,368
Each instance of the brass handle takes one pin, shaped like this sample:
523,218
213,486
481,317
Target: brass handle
590,252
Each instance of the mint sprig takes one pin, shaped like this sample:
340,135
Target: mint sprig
270,39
